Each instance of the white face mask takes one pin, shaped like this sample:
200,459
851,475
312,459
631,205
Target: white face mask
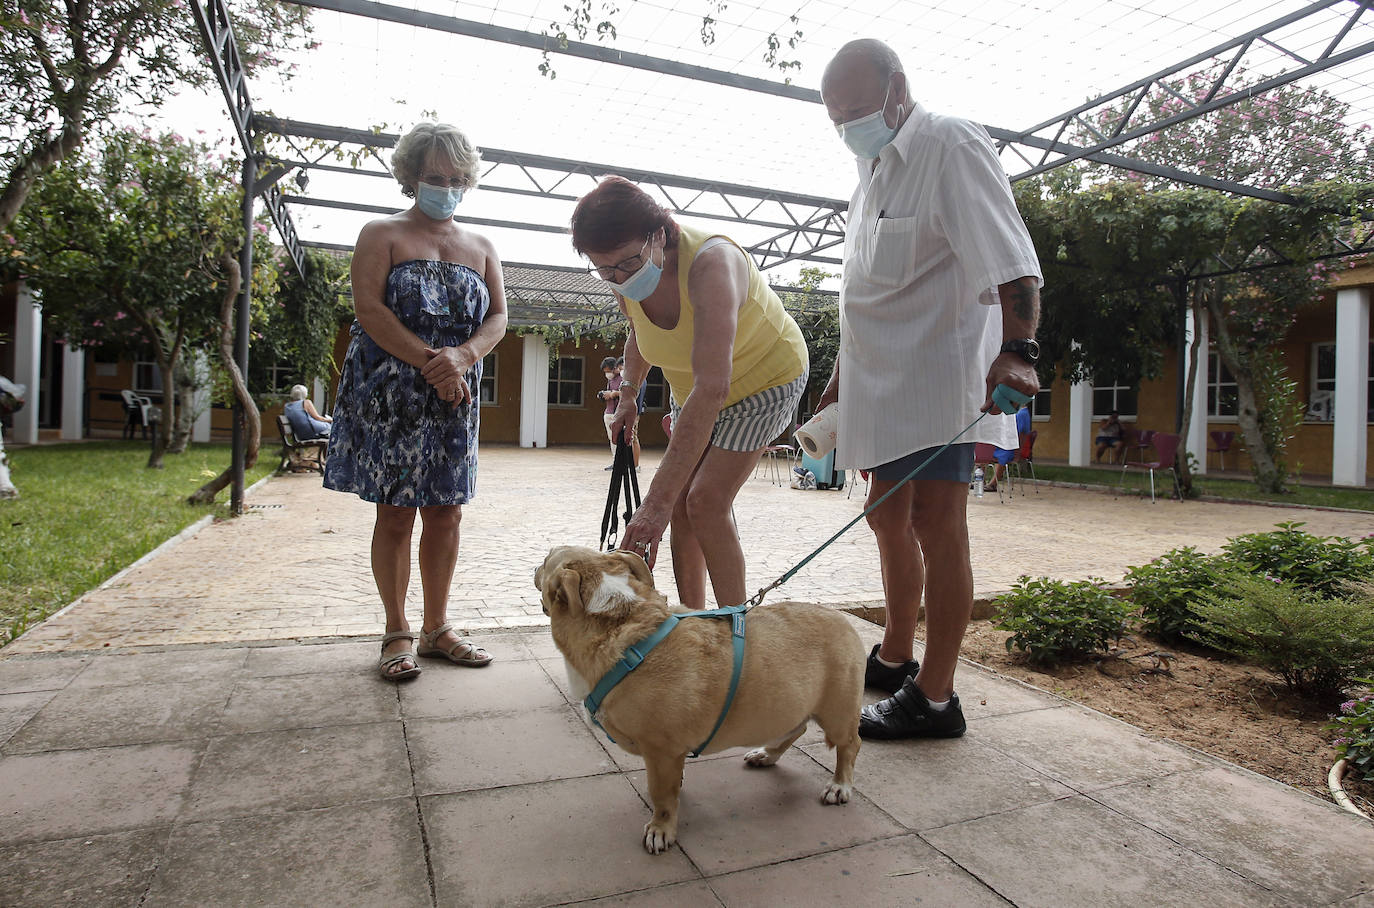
868,135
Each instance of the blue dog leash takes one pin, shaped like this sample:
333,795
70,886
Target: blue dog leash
1008,400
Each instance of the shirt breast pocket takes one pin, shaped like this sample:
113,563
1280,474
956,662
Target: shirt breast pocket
894,252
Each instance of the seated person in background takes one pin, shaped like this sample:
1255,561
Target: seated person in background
306,422
1004,457
1108,435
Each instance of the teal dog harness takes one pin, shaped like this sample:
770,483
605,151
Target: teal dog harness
636,653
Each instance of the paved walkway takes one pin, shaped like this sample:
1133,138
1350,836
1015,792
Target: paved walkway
198,733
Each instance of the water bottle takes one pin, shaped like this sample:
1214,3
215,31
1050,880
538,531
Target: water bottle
977,482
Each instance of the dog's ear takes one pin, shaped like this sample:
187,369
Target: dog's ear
566,589
639,568
612,591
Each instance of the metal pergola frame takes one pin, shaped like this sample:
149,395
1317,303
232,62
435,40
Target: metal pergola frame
809,225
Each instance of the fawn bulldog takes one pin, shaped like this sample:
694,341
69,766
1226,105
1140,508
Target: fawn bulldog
799,662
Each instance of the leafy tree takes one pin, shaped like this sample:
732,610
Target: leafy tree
128,247
297,326
66,67
820,326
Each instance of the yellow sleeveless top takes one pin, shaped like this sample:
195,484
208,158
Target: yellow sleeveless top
768,351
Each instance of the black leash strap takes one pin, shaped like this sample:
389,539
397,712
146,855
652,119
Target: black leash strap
624,482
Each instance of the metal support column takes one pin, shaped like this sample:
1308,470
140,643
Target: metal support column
250,176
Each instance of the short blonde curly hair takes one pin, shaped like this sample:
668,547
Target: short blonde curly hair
442,139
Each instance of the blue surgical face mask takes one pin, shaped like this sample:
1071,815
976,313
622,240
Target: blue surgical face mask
642,283
438,202
868,135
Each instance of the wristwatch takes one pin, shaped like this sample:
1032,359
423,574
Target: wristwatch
1024,347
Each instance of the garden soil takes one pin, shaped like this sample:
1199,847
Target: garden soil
1237,712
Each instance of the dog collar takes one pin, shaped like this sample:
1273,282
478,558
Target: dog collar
636,653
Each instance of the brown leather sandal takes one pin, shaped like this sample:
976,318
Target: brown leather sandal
464,652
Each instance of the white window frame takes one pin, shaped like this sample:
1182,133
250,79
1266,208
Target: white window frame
488,376
274,373
1037,416
1318,386
1215,384
1116,393
556,382
153,387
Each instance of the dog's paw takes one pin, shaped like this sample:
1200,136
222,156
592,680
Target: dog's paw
835,793
658,836
760,756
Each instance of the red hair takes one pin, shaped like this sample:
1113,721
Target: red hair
616,212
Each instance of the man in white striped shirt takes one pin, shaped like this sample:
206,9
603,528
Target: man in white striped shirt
934,248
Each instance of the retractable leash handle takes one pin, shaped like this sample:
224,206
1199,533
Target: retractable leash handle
1007,399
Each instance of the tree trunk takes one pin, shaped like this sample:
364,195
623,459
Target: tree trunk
162,435
252,418
1263,462
28,168
1181,466
185,390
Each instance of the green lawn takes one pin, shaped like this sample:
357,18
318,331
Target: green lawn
89,510
1138,482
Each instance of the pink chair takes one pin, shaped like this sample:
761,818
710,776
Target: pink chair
1166,451
1025,454
1144,439
1222,444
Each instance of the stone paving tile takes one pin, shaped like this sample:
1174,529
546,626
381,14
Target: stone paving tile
89,870
360,854
161,668
309,701
732,816
695,895
1268,833
570,839
1082,749
893,873
23,675
68,793
298,769
16,709
350,658
1025,857
492,751
927,784
78,718
501,688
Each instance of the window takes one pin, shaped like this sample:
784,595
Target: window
280,378
1221,388
1109,397
1321,396
565,382
486,393
655,390
147,378
1040,404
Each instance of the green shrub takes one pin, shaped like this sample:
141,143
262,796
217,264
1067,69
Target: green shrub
1316,645
1166,589
1052,621
1318,563
1356,726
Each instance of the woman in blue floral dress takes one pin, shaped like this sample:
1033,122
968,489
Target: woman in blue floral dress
430,304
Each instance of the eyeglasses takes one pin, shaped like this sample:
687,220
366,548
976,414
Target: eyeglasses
627,267
438,179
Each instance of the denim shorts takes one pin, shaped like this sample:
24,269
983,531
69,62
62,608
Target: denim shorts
954,463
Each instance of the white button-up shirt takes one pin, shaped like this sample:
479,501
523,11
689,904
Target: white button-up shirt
932,231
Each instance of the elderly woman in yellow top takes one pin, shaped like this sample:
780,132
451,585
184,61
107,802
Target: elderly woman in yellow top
699,310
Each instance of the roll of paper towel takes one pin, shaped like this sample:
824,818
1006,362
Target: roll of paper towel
817,437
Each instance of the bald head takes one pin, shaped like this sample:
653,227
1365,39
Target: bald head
859,77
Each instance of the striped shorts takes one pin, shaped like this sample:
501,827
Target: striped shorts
753,422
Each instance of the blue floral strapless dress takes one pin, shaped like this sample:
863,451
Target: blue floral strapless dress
393,440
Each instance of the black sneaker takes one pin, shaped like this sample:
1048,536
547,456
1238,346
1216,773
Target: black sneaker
908,714
880,677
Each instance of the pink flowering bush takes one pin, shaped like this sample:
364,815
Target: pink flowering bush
1355,724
